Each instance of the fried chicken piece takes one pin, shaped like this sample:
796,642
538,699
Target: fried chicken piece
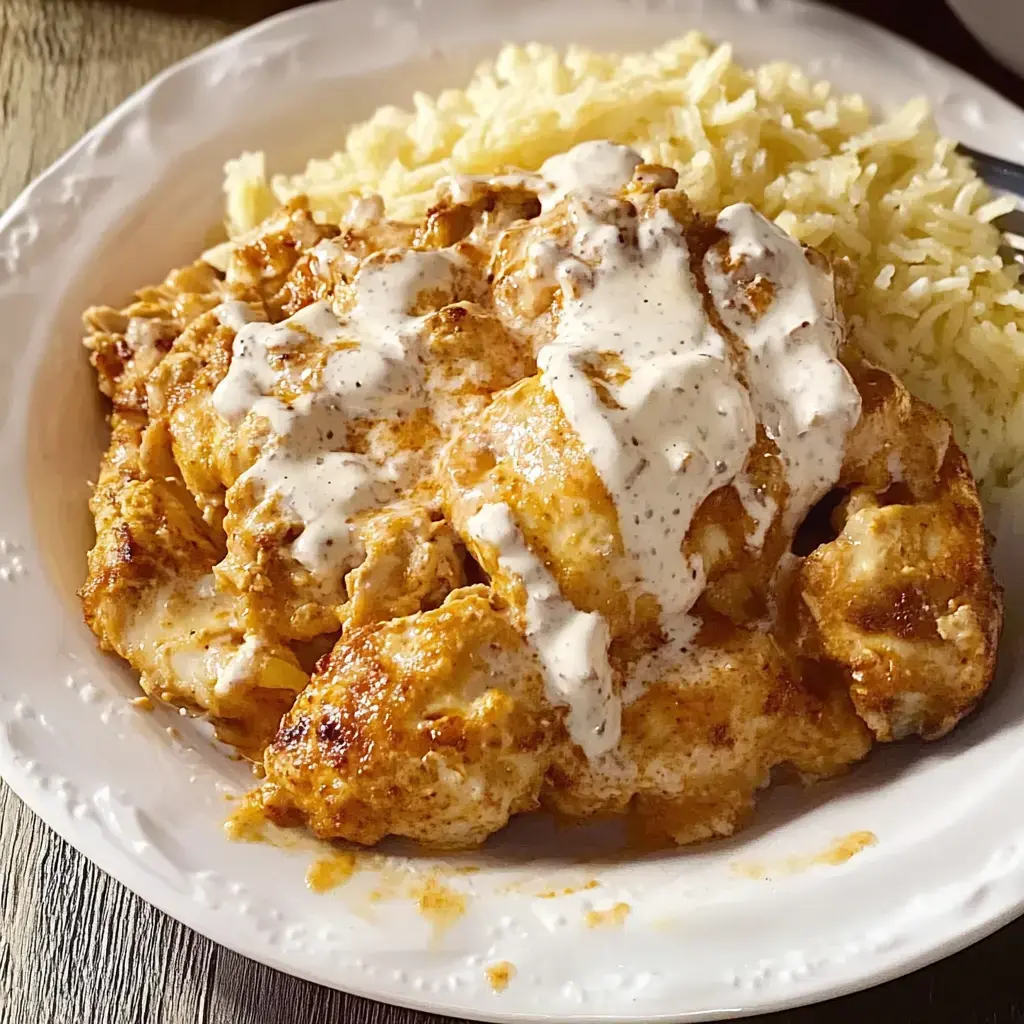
466,355
740,540
150,597
208,454
280,264
474,220
470,358
708,724
413,561
432,726
476,211
900,590
163,599
905,600
525,292
705,733
126,345
521,452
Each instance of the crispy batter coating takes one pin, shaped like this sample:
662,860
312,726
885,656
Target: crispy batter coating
899,591
705,734
126,345
875,619
197,591
432,726
150,597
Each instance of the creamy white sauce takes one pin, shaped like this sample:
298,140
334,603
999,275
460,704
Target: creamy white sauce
681,425
799,389
760,507
664,405
373,371
601,165
239,670
572,646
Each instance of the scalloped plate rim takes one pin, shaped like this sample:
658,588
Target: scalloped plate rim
114,863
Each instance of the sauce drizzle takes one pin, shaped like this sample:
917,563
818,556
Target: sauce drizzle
676,417
663,366
374,370
571,645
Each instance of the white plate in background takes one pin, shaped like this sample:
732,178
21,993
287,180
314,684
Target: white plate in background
998,25
144,795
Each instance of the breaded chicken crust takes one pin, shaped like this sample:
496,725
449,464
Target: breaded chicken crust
432,727
875,618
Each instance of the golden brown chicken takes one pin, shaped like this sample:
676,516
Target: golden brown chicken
706,733
903,597
151,597
609,515
433,727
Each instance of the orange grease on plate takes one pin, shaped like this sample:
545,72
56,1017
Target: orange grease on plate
500,975
612,917
247,823
439,904
844,848
329,872
839,851
570,890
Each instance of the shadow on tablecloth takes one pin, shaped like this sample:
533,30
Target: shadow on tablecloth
235,12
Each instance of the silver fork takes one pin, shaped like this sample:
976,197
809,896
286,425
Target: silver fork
1003,176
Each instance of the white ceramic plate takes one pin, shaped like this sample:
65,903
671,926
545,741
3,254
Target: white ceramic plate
998,26
146,802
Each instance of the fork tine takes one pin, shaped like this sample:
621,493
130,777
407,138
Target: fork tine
997,172
1011,223
1010,256
1005,176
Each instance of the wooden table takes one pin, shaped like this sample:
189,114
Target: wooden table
77,947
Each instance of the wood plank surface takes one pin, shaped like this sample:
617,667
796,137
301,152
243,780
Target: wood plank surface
75,946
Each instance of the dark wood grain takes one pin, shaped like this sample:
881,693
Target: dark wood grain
75,946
